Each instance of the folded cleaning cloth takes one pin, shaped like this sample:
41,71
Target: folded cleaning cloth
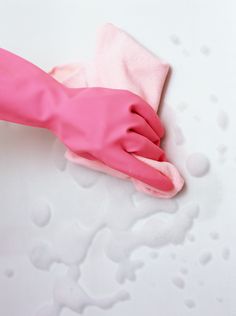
120,62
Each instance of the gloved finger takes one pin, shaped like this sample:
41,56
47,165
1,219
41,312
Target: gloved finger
140,126
126,163
147,112
140,145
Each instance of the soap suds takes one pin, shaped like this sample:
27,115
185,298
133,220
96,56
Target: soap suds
72,242
197,164
68,293
139,221
142,201
41,213
122,214
127,270
153,233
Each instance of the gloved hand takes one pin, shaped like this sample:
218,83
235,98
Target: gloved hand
97,123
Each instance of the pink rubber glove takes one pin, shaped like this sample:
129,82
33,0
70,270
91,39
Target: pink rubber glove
121,62
82,118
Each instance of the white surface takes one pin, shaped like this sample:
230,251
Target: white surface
195,277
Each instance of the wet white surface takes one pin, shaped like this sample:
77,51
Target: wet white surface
76,241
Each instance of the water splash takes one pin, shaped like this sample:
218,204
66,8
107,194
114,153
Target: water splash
70,294
155,232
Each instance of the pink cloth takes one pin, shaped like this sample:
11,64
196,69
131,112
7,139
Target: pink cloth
120,62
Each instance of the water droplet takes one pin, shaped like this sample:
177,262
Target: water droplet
186,53
41,213
182,106
154,255
213,98
205,50
222,149
178,282
184,270
175,39
225,253
9,273
41,255
197,164
205,258
178,136
196,118
214,235
223,120
189,303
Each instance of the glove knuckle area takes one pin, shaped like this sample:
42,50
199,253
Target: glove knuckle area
132,143
136,122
